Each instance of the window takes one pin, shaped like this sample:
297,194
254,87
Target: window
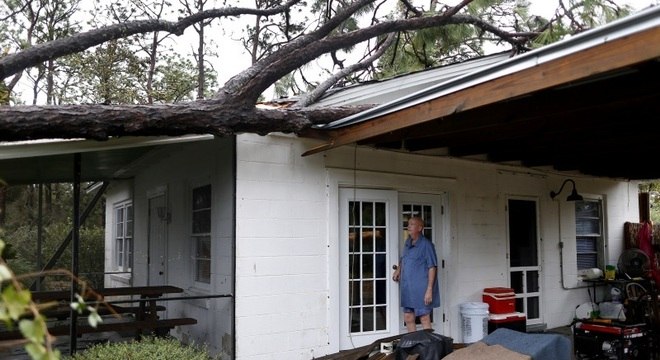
589,234
124,236
201,233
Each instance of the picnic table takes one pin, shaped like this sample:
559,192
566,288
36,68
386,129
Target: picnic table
138,318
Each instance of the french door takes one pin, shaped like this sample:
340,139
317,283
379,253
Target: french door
368,247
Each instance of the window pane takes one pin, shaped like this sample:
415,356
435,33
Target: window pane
353,213
381,215
354,296
129,252
587,226
587,209
381,266
367,214
367,266
368,241
202,222
381,318
381,245
368,292
203,273
587,261
353,244
381,292
428,216
533,307
354,266
532,281
120,252
202,197
368,321
517,282
586,244
356,319
204,247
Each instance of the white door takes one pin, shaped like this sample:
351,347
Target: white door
524,264
430,208
157,237
368,237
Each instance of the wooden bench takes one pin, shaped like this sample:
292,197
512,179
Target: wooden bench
160,327
143,317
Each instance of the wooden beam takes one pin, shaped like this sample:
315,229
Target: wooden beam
616,54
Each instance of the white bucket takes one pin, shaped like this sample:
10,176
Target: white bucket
474,321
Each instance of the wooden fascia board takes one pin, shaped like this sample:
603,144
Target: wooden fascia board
609,56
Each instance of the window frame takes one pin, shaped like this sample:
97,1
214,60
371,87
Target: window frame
123,258
599,236
198,237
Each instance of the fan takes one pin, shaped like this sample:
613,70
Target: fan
634,263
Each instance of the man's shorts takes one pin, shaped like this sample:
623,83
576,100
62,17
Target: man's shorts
418,312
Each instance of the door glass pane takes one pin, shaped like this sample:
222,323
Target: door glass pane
368,321
367,266
368,292
381,317
517,282
522,233
367,214
367,241
532,281
533,307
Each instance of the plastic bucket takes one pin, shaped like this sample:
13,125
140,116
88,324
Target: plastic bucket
474,322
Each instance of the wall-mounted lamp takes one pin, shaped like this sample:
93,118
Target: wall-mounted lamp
574,196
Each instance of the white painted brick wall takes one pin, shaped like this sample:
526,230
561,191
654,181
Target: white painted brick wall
281,247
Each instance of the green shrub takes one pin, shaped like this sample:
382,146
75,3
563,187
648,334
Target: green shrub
147,349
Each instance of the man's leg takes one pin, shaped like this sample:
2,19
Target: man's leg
409,318
426,321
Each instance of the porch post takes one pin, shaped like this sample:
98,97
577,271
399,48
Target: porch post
75,246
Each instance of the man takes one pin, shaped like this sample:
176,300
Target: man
417,272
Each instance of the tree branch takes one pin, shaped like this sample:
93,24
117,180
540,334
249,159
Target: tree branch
255,80
37,54
314,95
101,122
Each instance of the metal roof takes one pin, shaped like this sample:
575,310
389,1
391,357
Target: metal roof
390,89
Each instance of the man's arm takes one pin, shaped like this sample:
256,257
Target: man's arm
428,296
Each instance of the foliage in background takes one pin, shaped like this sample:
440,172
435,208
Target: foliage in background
21,229
145,349
653,188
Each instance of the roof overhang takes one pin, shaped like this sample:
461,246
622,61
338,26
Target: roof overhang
51,161
587,104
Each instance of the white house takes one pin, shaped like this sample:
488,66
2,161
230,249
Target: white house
304,245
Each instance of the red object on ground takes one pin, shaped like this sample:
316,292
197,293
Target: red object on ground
500,300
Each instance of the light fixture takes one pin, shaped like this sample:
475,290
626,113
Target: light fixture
574,196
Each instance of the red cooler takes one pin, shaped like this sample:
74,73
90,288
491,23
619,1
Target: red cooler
500,300
515,321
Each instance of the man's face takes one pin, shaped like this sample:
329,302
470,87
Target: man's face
414,227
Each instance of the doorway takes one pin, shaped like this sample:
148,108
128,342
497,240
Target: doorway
524,264
157,239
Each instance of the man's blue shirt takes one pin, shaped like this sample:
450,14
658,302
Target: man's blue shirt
415,264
